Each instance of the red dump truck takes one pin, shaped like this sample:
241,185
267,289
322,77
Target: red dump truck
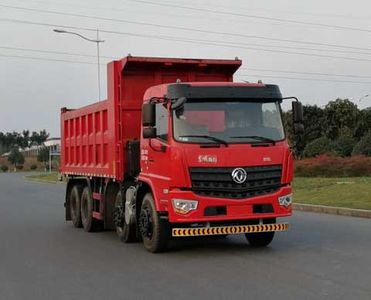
178,150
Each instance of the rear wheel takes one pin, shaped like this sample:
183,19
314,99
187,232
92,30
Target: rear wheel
154,231
75,205
88,222
126,232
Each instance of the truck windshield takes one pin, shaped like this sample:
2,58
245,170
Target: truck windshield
230,122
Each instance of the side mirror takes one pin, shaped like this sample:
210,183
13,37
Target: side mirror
298,128
149,114
297,117
149,133
297,112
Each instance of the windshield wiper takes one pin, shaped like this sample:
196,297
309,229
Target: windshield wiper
256,137
219,141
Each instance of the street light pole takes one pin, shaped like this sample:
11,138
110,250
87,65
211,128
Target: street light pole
50,159
97,41
98,63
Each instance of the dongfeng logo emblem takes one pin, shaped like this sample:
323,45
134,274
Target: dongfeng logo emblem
239,175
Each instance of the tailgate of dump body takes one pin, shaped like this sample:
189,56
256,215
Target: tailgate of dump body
86,142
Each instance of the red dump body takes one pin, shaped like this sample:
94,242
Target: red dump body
94,137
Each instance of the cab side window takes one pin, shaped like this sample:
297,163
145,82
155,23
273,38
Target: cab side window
162,121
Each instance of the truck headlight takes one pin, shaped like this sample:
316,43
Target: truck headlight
183,206
286,200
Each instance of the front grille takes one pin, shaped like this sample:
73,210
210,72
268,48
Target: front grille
218,182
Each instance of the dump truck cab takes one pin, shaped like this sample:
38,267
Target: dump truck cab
216,152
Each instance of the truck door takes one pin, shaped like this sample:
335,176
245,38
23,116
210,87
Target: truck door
158,151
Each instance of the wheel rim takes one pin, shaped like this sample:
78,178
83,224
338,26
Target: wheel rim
146,223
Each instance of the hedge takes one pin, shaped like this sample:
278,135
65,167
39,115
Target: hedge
333,166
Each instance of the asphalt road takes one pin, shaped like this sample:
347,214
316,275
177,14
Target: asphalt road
43,257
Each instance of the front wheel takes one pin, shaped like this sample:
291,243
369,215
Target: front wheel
260,239
154,231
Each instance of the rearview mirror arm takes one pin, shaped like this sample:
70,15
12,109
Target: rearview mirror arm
287,98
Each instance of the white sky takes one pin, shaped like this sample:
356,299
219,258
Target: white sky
32,91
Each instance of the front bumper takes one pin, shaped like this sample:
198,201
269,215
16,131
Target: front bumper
180,232
235,209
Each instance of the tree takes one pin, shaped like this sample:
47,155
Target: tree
43,156
25,139
2,140
313,127
39,138
363,147
318,146
343,146
363,124
16,158
43,136
10,140
341,118
22,140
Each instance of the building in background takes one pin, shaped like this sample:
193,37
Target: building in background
54,144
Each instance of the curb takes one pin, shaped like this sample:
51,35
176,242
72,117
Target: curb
360,213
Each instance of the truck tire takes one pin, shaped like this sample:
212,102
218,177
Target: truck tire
75,205
126,232
88,222
154,231
260,239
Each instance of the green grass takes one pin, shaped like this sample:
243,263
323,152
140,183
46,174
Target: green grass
47,177
350,192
